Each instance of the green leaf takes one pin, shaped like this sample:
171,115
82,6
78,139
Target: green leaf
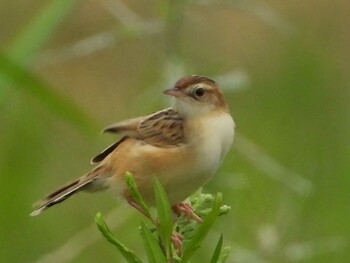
25,44
217,251
37,31
203,229
57,103
225,252
135,193
127,253
164,215
154,252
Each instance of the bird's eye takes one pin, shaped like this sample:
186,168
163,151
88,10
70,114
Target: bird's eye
199,92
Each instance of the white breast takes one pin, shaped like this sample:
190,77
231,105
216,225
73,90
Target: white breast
215,140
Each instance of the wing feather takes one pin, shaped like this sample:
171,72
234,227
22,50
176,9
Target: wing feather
163,128
101,156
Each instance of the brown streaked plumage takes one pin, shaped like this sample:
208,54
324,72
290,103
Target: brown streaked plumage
163,128
182,146
184,82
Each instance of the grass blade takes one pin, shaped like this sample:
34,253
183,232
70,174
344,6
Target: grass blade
28,41
127,253
202,231
135,193
154,252
57,103
225,252
217,251
37,31
164,215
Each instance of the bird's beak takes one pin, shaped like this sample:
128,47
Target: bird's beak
174,92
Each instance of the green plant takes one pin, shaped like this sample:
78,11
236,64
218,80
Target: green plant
157,235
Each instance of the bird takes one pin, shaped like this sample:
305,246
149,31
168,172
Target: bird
182,146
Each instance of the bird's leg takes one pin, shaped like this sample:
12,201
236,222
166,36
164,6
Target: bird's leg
138,207
176,238
187,210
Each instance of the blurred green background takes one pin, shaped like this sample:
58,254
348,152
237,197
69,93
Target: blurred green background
69,68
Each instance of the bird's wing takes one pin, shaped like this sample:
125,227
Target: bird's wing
163,128
101,156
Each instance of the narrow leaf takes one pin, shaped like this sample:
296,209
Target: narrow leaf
217,251
135,193
154,252
37,31
203,229
31,38
58,104
225,252
127,253
164,214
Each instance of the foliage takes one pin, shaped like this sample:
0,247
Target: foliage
288,173
157,237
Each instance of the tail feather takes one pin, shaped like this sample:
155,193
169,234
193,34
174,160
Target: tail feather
66,191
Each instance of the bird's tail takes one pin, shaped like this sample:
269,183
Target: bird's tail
86,182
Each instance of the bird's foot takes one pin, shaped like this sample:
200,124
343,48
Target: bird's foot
187,210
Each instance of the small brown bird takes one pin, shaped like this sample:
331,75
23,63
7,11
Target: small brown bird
182,146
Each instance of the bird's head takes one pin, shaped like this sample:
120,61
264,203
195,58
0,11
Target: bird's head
197,95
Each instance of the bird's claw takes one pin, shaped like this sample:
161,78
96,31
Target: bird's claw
187,210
